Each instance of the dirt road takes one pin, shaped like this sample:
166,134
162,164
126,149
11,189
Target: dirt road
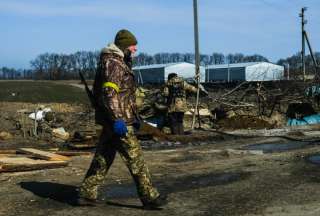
199,180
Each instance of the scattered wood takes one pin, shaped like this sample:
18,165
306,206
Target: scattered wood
43,154
16,155
24,160
81,146
230,92
240,104
8,151
147,131
80,136
202,112
6,155
9,164
82,139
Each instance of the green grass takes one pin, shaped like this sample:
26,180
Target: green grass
41,92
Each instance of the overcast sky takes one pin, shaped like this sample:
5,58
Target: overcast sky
267,27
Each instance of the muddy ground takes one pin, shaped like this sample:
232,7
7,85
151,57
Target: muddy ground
203,173
197,179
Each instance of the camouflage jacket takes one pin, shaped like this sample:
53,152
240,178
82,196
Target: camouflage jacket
150,103
114,87
175,91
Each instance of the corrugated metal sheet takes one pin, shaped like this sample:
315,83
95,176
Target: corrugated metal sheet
237,74
226,74
246,64
158,73
251,71
150,75
185,70
154,66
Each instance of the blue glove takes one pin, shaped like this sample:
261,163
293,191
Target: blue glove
120,127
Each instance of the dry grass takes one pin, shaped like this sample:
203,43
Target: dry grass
41,92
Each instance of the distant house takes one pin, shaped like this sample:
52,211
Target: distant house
158,73
251,71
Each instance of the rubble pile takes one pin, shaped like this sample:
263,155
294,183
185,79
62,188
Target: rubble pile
239,122
48,125
242,106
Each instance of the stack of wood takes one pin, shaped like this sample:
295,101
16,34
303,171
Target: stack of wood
25,159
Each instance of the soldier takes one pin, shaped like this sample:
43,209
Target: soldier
152,106
114,90
175,90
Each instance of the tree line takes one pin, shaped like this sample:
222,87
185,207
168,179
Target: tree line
53,66
215,58
294,63
12,73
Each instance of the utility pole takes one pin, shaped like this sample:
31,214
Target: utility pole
303,22
228,72
311,52
286,66
197,60
206,73
304,39
288,71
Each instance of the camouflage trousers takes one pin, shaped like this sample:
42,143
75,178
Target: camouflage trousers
130,151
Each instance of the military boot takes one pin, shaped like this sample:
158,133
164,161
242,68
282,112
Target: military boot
156,203
180,129
174,129
81,201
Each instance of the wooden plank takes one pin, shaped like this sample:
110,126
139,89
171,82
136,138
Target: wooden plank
43,154
81,146
7,155
8,151
26,164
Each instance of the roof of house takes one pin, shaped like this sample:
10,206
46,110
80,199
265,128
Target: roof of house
157,66
236,65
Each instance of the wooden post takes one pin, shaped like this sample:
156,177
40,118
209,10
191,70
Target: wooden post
197,60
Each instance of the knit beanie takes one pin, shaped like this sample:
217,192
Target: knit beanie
172,75
124,39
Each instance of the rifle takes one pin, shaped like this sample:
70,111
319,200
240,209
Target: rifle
106,110
89,92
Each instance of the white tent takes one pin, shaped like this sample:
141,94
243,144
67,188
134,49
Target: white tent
251,71
158,73
264,71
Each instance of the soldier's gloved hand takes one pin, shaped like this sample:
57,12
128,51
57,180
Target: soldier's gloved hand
120,127
203,91
196,77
